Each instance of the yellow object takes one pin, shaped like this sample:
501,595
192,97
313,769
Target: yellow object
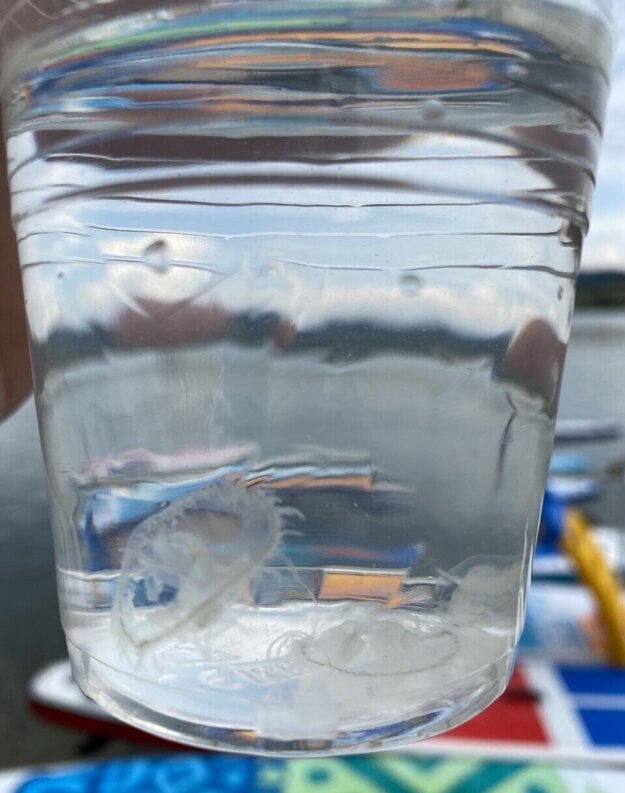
579,544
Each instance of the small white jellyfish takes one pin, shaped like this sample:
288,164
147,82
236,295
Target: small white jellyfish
487,595
194,557
380,644
409,284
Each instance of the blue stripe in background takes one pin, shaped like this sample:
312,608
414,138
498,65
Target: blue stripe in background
605,727
593,679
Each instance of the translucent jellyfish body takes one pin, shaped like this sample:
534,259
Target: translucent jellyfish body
194,557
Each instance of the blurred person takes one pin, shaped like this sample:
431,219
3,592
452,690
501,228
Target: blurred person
15,380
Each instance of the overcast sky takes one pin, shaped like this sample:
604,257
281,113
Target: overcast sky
605,244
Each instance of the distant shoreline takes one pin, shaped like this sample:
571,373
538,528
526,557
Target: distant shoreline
603,289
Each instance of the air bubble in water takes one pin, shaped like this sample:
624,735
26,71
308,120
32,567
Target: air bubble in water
516,71
571,235
575,118
157,255
432,110
409,284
